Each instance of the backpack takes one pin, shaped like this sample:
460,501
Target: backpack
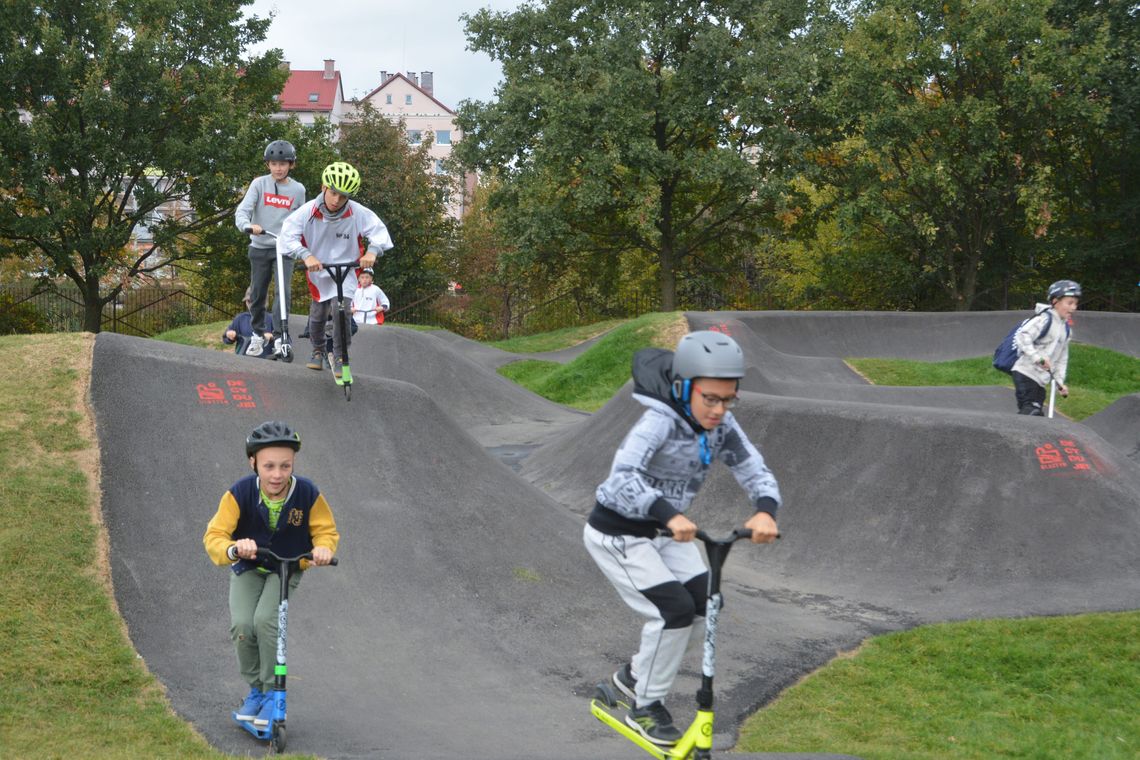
1005,355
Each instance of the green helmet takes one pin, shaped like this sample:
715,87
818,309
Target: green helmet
342,177
707,353
272,433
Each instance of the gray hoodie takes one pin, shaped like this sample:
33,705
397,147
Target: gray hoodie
659,467
267,203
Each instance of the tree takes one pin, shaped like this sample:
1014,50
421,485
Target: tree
955,120
115,111
659,128
396,183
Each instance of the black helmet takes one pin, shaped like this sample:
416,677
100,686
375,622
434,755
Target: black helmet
272,433
1062,288
367,271
280,150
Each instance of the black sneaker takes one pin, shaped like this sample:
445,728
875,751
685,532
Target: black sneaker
654,723
624,680
318,360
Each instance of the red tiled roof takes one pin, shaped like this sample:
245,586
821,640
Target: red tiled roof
302,84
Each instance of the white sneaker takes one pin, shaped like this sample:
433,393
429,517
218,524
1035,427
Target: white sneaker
256,346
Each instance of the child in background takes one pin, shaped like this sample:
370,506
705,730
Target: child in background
1043,354
269,199
369,304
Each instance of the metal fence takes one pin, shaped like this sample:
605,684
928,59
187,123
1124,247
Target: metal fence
143,311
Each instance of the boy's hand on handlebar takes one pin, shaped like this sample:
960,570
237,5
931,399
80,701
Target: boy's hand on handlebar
763,527
312,264
683,528
246,548
256,229
367,260
321,555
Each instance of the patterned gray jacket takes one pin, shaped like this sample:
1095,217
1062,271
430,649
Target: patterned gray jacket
659,467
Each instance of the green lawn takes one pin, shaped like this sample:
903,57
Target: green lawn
556,339
591,379
1097,376
71,684
1063,687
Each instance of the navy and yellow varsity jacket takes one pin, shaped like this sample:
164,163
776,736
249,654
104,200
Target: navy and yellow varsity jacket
305,522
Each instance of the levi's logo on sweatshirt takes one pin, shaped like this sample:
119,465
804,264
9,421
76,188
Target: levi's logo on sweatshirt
280,201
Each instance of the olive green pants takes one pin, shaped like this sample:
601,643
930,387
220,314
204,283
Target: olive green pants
254,598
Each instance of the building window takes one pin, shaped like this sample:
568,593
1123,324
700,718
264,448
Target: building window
443,137
439,167
407,100
388,98
415,136
314,97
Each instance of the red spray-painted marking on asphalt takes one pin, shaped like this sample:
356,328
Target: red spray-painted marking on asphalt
228,392
722,328
1063,456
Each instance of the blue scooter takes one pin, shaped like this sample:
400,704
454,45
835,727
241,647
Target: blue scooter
274,731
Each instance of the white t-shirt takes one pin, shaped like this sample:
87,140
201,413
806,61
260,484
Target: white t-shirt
367,302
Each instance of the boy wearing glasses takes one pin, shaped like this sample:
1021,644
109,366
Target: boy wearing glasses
656,472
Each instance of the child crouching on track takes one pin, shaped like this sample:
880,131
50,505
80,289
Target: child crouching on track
656,472
275,509
332,229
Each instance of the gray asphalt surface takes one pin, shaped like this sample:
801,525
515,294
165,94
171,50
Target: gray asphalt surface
465,607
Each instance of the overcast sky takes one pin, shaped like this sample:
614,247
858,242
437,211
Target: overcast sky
366,37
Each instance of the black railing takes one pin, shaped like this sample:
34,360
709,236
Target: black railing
143,311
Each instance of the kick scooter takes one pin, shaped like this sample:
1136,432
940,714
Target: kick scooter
696,743
339,273
275,730
284,348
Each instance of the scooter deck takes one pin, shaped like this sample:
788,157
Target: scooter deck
261,732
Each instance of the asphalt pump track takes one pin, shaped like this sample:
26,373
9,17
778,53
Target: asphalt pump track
465,620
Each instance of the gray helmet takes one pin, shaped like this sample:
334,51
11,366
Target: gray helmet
280,150
272,433
1062,288
707,353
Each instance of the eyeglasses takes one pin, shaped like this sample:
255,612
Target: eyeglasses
726,401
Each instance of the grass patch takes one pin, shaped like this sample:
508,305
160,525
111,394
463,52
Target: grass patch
71,684
207,335
592,378
1060,687
1097,376
555,340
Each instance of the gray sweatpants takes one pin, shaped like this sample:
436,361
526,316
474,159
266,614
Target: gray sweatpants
664,581
319,313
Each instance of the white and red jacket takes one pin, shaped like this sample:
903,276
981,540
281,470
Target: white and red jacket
333,239
369,305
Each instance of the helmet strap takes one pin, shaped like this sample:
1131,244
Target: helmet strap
682,390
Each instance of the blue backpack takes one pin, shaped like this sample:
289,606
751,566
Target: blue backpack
1005,355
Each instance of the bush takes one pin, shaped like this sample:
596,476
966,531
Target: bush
21,317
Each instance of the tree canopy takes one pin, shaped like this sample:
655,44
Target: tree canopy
659,128
115,110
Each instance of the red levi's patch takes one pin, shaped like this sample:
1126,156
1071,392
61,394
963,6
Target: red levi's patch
279,201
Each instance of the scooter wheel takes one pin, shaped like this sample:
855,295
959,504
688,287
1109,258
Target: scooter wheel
605,694
287,355
277,740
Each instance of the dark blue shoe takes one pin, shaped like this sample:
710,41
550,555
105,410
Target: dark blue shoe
251,706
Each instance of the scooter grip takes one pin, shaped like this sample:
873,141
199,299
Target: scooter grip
334,561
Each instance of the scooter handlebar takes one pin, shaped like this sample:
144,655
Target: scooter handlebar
264,553
249,231
736,535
